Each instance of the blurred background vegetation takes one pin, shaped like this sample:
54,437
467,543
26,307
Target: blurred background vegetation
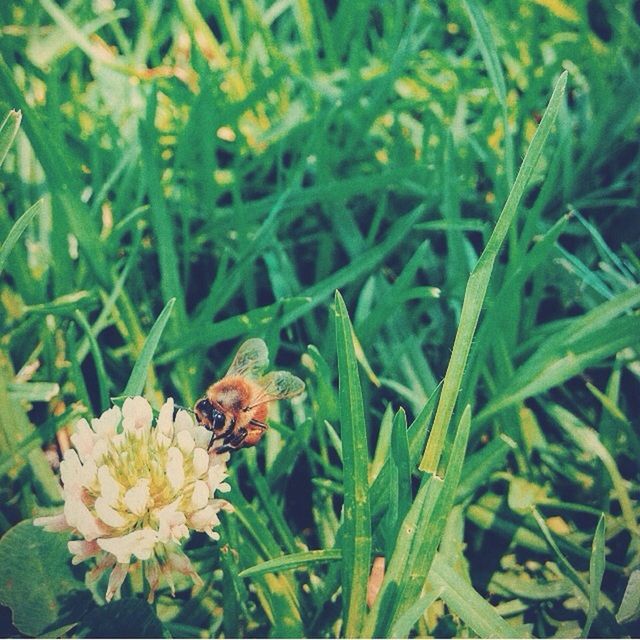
247,158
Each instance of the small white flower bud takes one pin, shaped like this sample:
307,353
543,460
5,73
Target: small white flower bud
175,468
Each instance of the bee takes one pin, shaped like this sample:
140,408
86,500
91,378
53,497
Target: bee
235,408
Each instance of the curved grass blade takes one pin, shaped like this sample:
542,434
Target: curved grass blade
467,603
292,561
596,573
478,283
17,230
8,131
356,530
569,571
135,385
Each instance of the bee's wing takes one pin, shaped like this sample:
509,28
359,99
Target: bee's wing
251,360
277,385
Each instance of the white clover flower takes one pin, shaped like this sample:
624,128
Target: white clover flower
133,491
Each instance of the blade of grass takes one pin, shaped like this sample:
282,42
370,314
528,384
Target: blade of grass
396,576
467,603
66,192
420,563
630,606
489,53
8,131
360,266
33,391
403,625
489,518
481,464
493,319
383,444
478,283
596,573
15,427
13,462
17,230
292,561
284,596
356,530
399,487
101,372
64,185
570,572
588,440
278,521
161,220
136,382
554,363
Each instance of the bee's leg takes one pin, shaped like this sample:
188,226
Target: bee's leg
213,437
229,430
235,440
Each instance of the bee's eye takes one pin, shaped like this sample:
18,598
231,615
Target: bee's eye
206,409
217,419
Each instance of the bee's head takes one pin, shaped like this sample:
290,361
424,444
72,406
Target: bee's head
208,416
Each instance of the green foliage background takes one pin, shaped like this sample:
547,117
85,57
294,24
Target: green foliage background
249,158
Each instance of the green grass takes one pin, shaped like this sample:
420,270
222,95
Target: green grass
182,176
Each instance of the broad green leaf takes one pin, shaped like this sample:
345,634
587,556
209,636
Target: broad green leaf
37,582
355,540
138,377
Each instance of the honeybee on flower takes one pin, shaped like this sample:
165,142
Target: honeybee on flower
133,490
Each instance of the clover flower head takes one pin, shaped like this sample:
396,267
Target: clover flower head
133,491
